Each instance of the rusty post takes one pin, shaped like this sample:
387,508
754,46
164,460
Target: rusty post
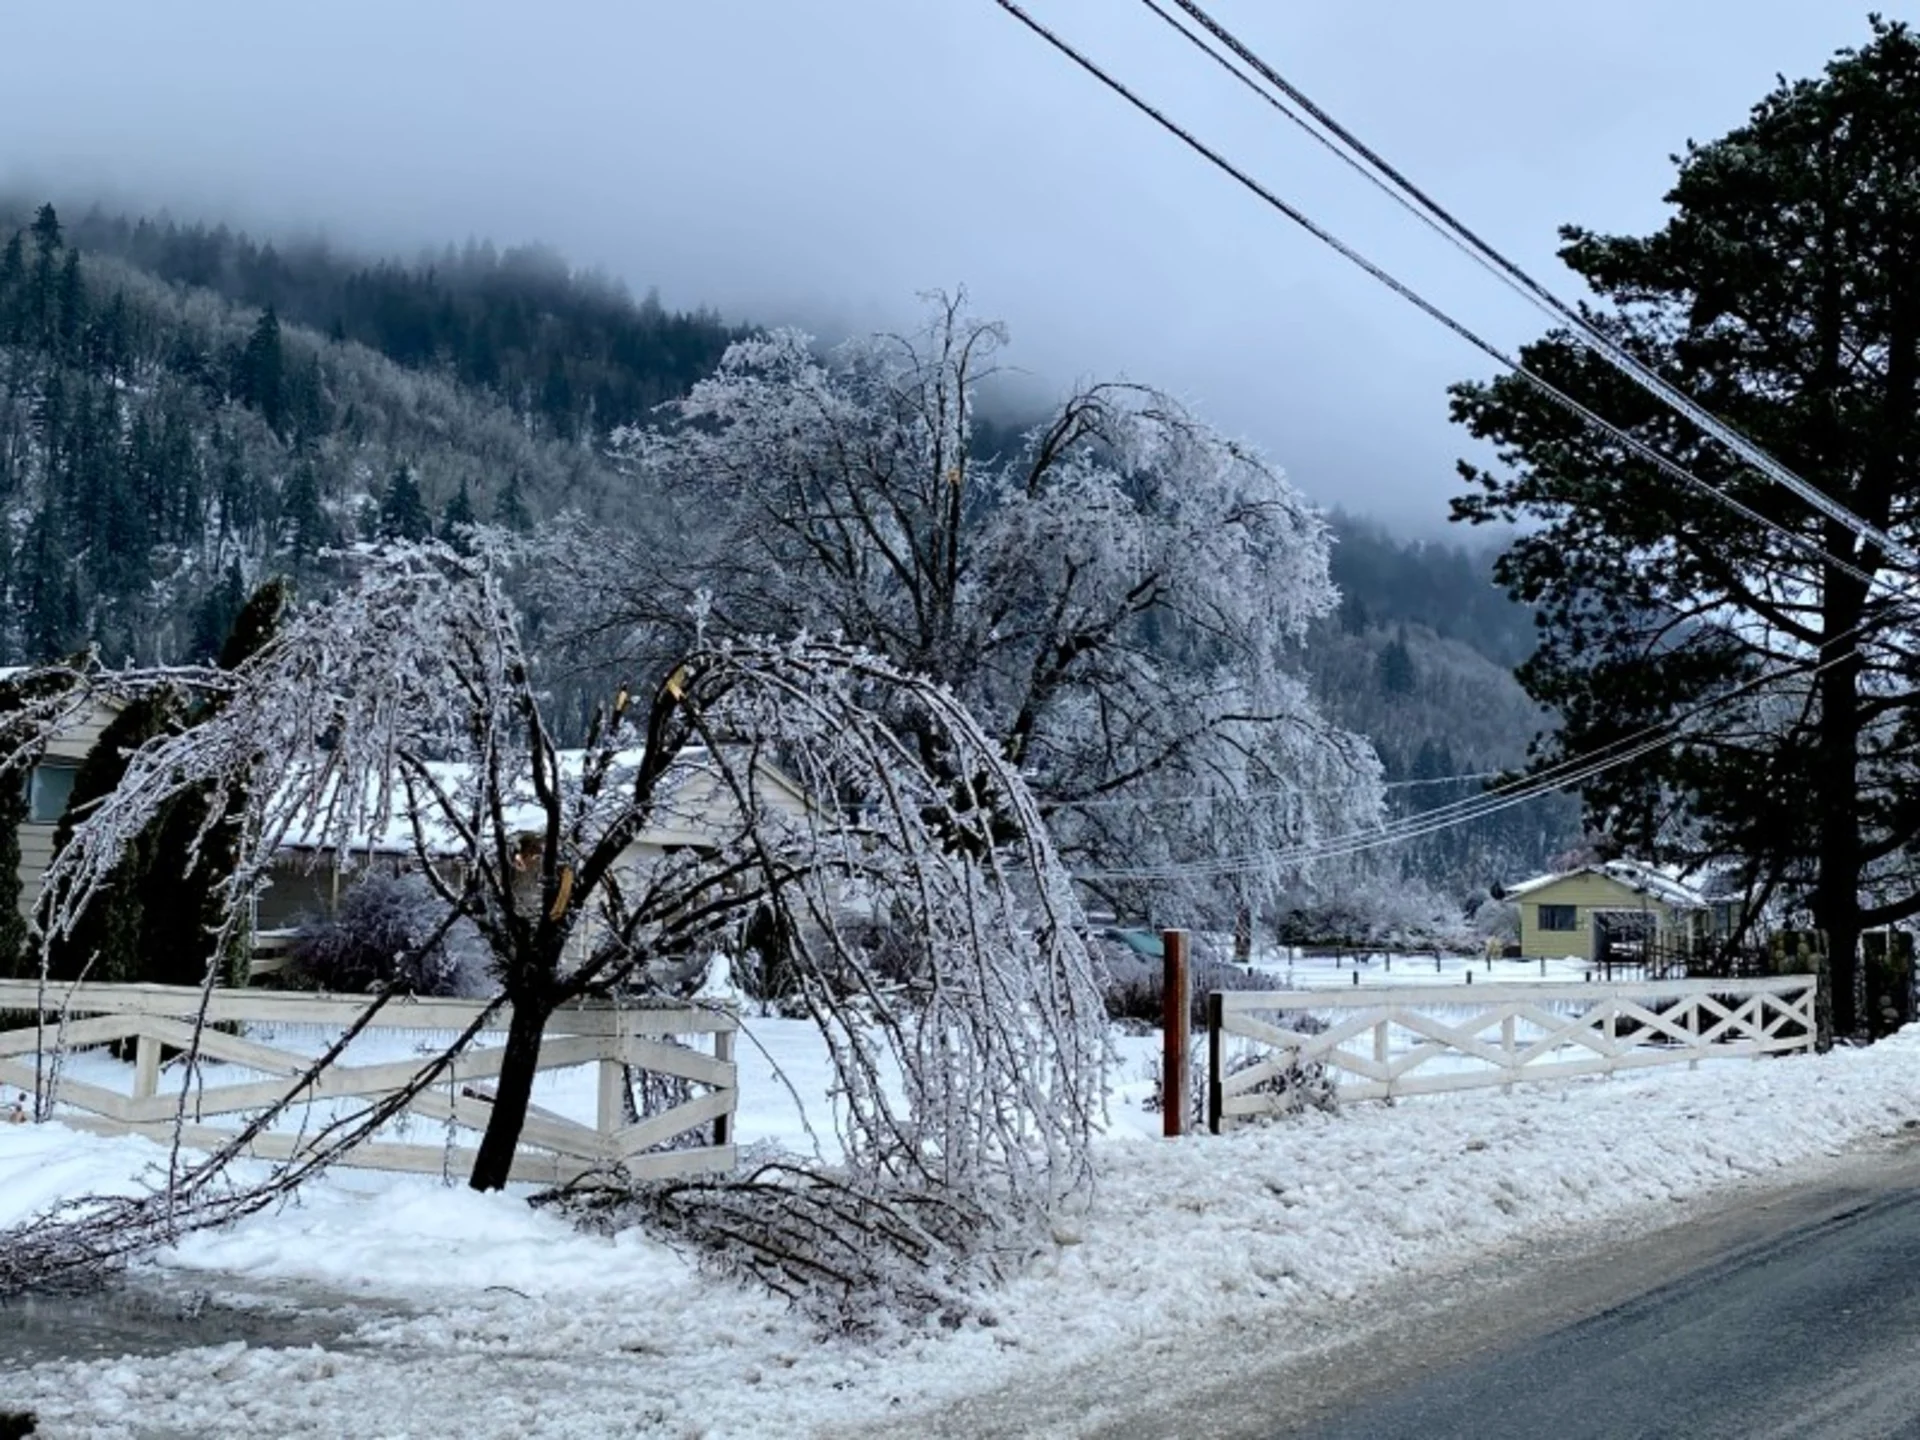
1176,1025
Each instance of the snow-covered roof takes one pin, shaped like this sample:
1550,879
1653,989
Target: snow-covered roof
1659,882
685,811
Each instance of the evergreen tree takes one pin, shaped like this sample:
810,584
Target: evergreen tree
510,506
1784,291
307,527
263,371
219,608
13,291
52,617
403,512
457,516
43,308
180,903
73,304
1394,666
106,944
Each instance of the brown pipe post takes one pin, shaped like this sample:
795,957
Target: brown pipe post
1176,1025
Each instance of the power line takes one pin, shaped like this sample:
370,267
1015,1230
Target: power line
1570,772
1412,197
1546,388
1217,797
1561,775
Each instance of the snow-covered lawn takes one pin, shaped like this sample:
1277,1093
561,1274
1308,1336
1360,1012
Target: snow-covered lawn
488,1318
1293,970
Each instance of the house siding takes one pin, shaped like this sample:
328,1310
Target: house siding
71,746
1586,892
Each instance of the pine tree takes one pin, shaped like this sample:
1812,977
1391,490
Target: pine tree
13,290
1394,666
50,598
263,371
218,610
43,305
180,905
403,512
457,516
510,506
1784,291
106,943
73,305
307,527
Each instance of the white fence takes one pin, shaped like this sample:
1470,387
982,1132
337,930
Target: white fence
554,1148
1377,1044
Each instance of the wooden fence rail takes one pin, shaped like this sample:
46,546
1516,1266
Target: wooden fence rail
1375,1044
554,1148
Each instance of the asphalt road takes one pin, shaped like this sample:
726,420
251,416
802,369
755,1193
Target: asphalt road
1788,1306
1813,1332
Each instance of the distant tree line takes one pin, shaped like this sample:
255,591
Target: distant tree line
574,351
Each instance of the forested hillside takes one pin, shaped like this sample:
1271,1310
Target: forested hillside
163,446
1419,659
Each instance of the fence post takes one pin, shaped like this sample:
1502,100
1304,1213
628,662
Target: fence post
1176,1022
611,1111
146,1067
1216,1062
723,1052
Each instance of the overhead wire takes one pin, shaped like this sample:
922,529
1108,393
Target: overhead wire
1404,191
1639,448
1576,769
1561,775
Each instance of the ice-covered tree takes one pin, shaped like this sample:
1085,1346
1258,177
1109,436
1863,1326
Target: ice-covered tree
921,906
1113,596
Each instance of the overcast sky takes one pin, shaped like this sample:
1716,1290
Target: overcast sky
821,161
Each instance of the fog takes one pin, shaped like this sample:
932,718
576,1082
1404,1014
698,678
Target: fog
822,161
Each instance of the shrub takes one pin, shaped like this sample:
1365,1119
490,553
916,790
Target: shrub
375,938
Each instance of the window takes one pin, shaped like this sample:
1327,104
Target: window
1559,917
49,787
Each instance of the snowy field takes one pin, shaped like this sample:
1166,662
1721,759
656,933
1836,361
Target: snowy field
477,1316
1296,971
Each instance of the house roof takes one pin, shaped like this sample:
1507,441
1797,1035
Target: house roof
1636,875
684,815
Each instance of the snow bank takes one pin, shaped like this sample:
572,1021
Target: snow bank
518,1326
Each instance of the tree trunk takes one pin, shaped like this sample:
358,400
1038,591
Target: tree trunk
512,1094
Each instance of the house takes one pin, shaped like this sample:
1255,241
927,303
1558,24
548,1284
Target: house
697,810
49,784
1612,910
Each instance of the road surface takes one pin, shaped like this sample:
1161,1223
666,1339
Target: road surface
1814,1332
1785,1307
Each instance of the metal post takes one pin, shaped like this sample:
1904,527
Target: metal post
1216,1062
1176,1025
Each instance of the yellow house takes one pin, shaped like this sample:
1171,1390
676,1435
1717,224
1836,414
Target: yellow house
1610,909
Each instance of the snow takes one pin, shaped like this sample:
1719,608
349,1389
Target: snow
1294,970
481,1316
1662,882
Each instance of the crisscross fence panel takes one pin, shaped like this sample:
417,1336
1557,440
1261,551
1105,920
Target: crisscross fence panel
1380,1044
66,1054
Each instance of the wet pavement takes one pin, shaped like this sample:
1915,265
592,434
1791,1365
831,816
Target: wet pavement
152,1315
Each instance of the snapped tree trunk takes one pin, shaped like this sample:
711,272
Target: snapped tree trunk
512,1093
